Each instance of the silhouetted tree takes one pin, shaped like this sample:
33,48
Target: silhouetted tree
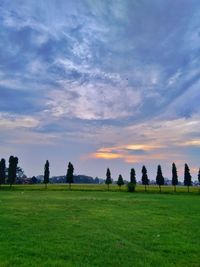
145,180
12,169
159,178
174,176
199,176
108,178
120,181
70,174
46,173
2,171
132,176
187,177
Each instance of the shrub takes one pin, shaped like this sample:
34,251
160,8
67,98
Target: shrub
131,187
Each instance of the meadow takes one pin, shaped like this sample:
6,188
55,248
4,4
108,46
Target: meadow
89,226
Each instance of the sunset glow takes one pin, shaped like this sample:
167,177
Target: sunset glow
101,84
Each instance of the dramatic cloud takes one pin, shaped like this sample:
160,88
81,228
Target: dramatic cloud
105,82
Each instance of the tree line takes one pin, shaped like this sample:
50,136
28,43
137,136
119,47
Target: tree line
159,178
8,175
12,169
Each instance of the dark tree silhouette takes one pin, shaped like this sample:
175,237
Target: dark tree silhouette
120,181
187,177
174,176
108,178
70,175
46,173
145,180
159,178
2,171
199,176
132,176
12,169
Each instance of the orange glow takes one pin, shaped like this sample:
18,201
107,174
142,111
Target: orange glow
145,147
102,155
122,152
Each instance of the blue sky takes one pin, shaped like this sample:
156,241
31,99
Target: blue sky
100,83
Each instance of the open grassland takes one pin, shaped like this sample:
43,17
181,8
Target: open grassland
57,227
103,187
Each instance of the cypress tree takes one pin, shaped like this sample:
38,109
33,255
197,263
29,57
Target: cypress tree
46,173
70,175
159,178
145,180
132,176
187,177
174,176
12,169
108,178
120,181
2,171
199,176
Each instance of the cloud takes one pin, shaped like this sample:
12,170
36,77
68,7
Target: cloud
156,141
12,122
93,102
113,75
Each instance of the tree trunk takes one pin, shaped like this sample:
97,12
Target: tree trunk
69,186
108,187
159,188
174,188
188,189
145,188
45,186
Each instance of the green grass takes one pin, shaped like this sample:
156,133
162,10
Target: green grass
103,187
57,227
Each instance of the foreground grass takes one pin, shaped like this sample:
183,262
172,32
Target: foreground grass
94,228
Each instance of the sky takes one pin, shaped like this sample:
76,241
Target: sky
100,83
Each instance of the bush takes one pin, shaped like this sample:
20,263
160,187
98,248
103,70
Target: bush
131,187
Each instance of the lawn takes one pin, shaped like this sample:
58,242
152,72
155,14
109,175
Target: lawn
98,228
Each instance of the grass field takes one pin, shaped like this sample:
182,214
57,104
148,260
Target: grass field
57,227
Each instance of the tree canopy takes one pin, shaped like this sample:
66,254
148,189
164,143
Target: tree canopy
120,181
159,177
174,176
145,180
46,173
12,169
108,180
132,176
2,171
187,177
70,174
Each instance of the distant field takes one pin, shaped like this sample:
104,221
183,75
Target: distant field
102,187
57,227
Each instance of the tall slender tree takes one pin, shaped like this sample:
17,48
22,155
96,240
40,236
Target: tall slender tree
46,173
145,179
187,177
159,178
174,176
12,169
2,171
120,181
70,174
199,178
132,176
108,178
